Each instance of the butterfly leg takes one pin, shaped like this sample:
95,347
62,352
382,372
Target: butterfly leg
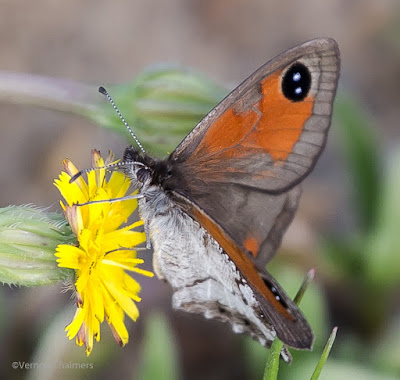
127,249
112,200
147,232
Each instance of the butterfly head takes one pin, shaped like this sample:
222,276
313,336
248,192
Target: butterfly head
137,166
145,171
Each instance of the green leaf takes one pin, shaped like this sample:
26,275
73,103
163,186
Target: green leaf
160,357
346,370
345,258
360,145
386,352
383,246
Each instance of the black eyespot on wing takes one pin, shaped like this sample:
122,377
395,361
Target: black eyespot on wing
275,291
296,82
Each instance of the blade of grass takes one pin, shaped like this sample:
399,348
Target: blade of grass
272,365
324,356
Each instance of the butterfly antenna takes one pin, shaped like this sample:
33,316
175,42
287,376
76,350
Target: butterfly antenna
109,166
88,170
103,91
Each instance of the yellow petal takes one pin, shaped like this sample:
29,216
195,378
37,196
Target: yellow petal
73,328
69,256
71,171
123,300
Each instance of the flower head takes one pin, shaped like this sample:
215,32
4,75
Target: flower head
105,251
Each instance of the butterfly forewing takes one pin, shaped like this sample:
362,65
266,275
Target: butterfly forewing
264,135
242,159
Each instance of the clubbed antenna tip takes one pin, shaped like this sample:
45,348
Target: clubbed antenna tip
88,170
75,177
103,91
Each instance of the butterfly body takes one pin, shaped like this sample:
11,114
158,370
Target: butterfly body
217,208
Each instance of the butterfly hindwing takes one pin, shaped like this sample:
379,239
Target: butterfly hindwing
273,305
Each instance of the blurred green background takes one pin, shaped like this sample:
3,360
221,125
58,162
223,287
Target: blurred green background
347,226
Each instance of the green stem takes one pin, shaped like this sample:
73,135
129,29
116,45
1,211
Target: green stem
306,282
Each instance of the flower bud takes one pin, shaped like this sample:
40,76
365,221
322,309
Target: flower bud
28,239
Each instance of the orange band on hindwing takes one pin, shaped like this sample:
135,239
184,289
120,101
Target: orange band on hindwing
242,262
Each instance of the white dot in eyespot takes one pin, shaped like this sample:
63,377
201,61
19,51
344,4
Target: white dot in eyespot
296,77
298,91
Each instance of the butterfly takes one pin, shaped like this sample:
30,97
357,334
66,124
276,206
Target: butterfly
217,208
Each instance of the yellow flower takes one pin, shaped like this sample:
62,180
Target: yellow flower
103,288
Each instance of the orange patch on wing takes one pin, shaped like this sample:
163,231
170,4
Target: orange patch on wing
275,129
282,120
241,261
227,131
252,245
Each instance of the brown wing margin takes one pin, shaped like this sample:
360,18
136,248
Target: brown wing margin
273,240
289,323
